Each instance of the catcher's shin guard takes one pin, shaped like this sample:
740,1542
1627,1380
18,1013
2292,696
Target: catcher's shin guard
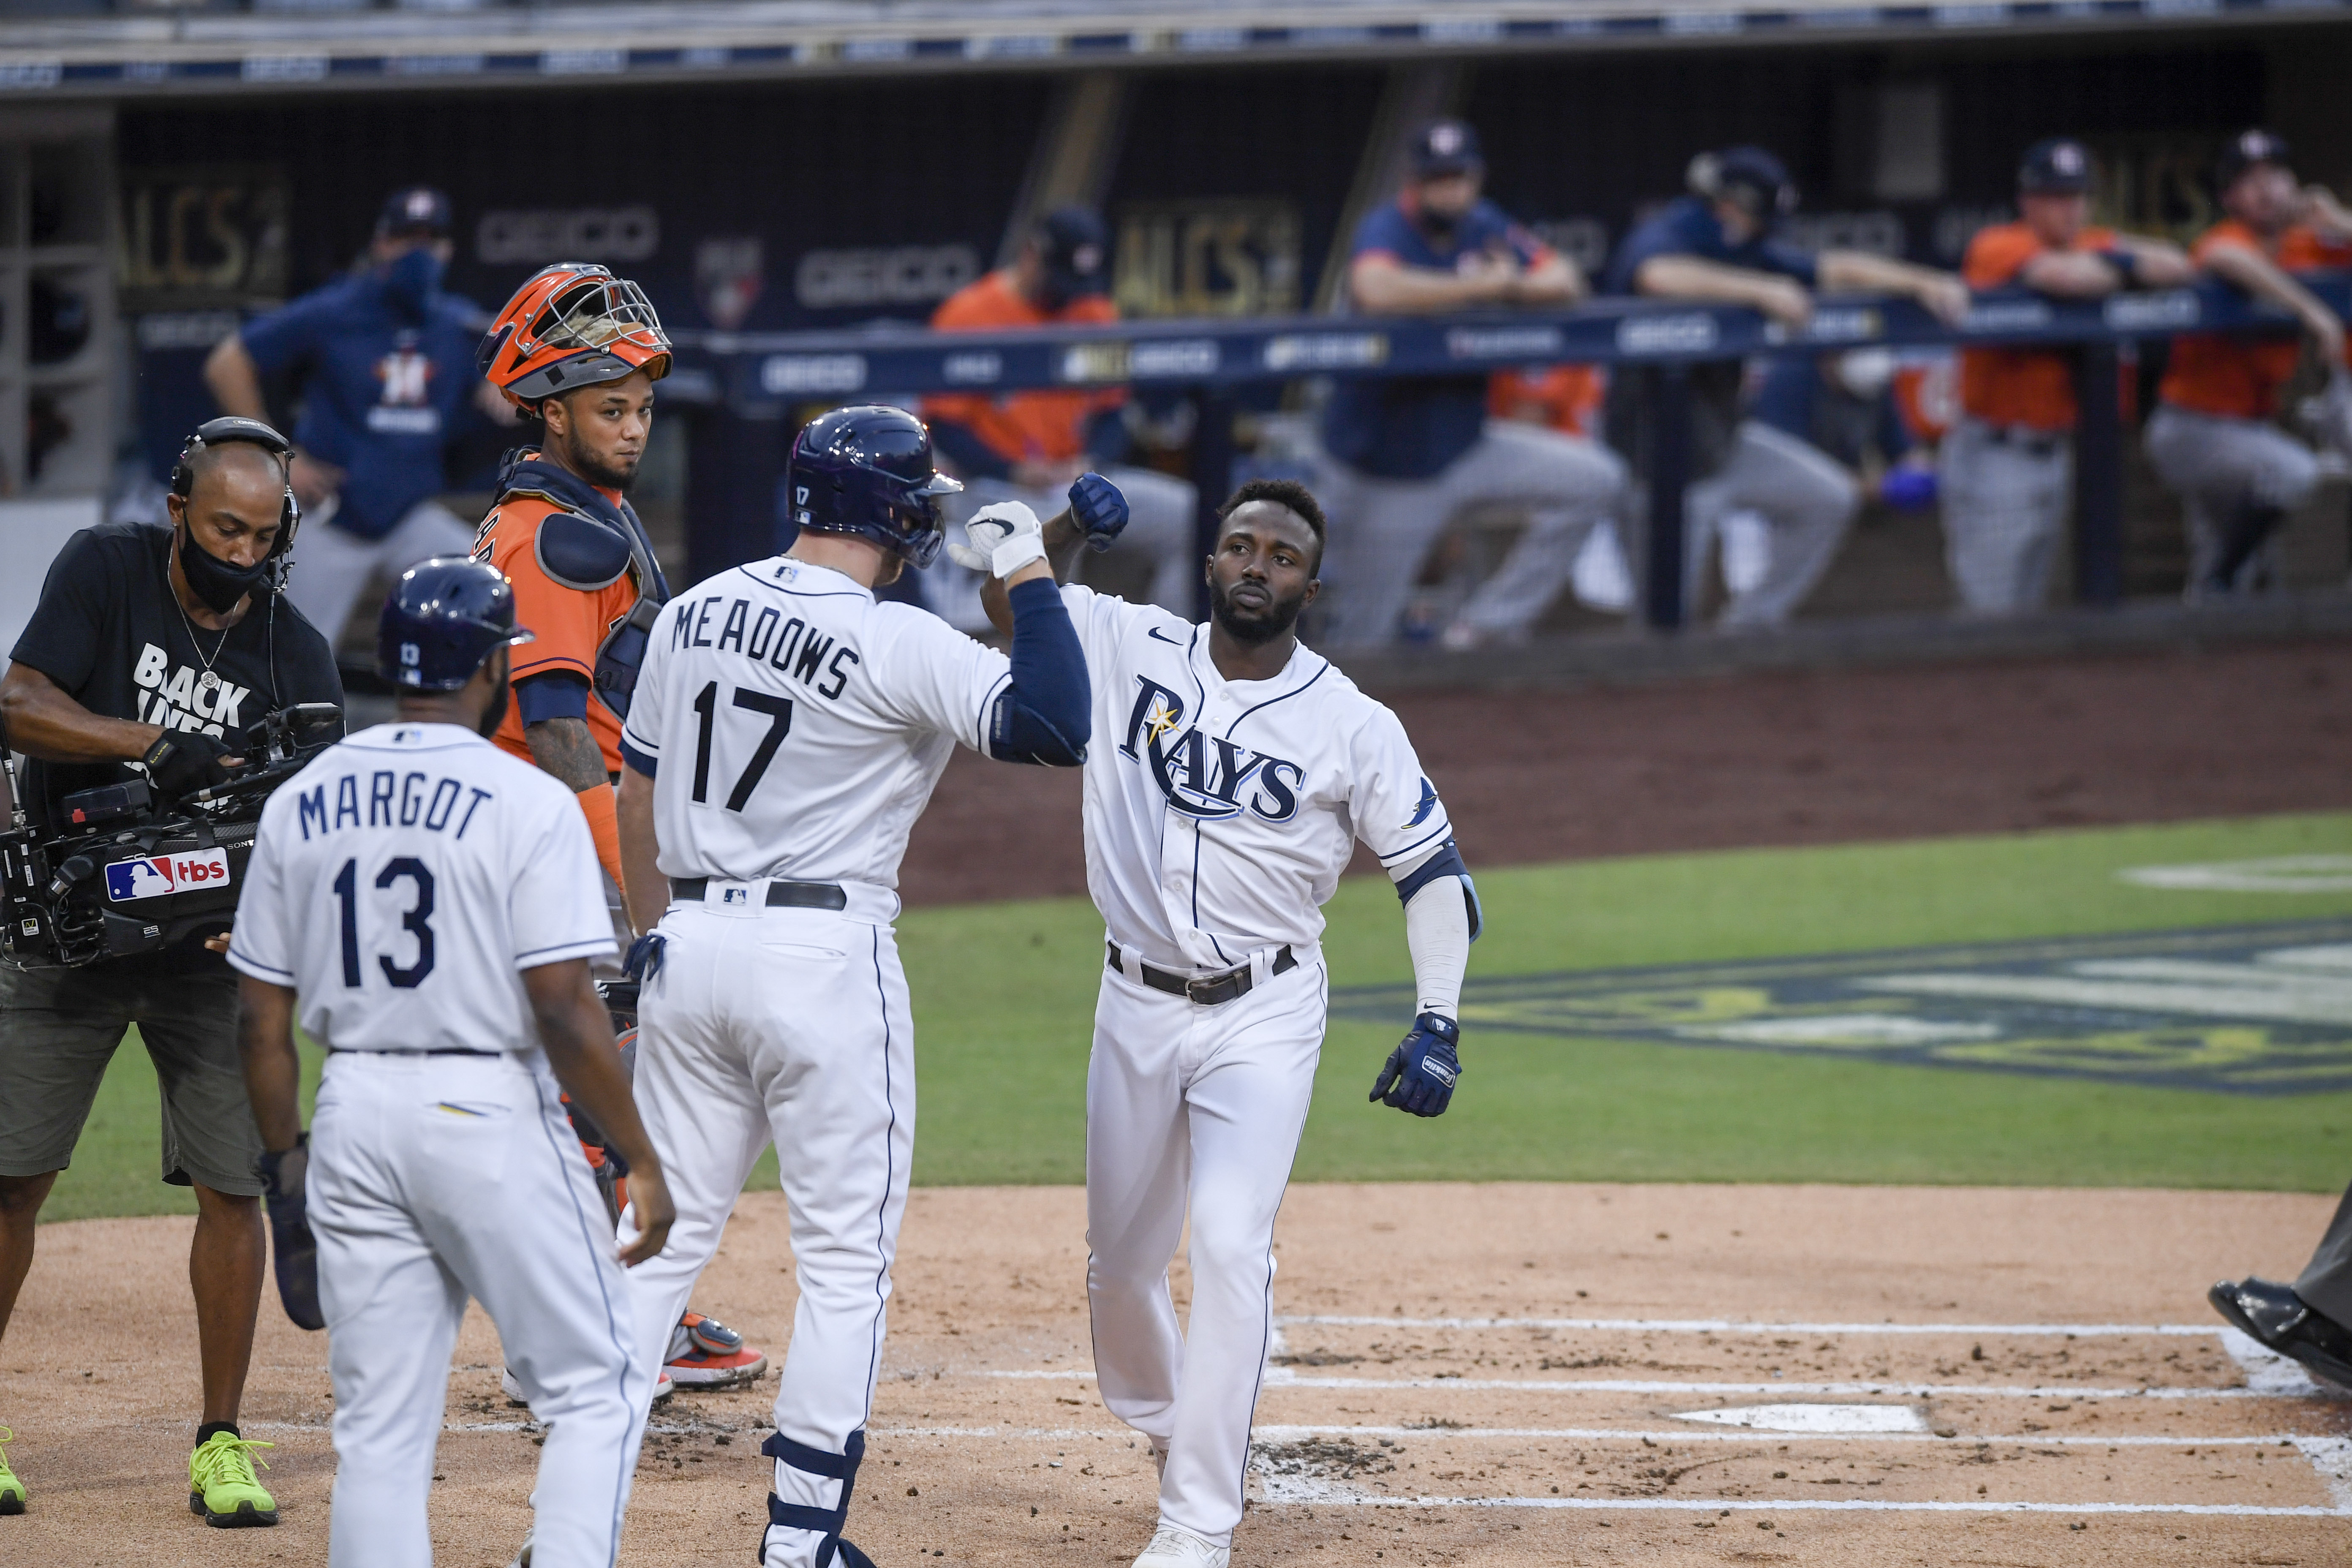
828,1521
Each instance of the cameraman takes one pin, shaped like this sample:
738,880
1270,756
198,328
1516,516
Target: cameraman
158,649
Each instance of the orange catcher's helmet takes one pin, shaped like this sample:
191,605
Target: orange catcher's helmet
573,324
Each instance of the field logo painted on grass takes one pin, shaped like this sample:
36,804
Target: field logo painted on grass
2263,1009
2278,874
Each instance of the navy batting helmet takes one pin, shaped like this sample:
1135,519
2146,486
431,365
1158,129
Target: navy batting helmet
441,620
868,472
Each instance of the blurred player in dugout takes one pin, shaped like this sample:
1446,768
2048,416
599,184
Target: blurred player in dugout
386,364
1404,453
1029,446
2006,467
2214,436
577,352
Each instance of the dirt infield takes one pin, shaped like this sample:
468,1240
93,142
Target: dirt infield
1821,757
1466,1373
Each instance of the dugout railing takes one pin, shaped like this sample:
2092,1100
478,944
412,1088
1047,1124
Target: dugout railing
1213,359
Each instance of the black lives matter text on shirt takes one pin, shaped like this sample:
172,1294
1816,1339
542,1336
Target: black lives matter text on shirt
108,632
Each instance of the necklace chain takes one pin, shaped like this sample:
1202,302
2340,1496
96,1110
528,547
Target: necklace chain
210,679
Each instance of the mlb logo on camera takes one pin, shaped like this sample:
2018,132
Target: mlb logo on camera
159,875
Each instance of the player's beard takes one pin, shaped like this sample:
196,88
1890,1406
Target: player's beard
593,468
1253,630
495,714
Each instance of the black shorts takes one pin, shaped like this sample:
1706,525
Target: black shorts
58,1030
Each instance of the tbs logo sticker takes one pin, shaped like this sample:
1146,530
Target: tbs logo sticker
128,879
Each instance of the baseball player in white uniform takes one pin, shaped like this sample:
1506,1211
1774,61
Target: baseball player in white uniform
785,732
431,906
1233,772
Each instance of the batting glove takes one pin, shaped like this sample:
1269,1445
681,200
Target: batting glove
1098,506
295,1252
645,959
1420,1074
1004,537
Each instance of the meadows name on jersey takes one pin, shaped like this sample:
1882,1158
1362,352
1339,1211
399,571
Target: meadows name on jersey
787,645
183,697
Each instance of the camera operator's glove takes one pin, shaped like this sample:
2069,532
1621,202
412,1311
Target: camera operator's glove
1420,1073
183,762
295,1252
1006,537
1098,506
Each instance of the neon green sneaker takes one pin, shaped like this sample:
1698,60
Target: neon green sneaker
222,1487
11,1490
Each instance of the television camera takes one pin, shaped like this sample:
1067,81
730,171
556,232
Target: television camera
120,871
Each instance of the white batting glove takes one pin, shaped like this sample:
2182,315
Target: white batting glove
1006,537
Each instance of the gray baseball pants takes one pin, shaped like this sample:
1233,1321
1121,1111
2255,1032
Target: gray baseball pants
2220,467
1381,530
1807,497
2006,492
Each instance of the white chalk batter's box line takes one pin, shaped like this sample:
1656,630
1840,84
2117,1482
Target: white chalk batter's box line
1319,1496
1261,1433
1729,1326
1282,1377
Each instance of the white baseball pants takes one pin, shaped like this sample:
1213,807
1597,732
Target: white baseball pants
1161,528
332,566
434,1179
2006,495
1383,529
2219,467
1188,1104
788,1027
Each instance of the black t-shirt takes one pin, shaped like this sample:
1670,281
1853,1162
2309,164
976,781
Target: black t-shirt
108,632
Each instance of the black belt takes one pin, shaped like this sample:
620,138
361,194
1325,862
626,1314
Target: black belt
780,895
1209,990
355,1051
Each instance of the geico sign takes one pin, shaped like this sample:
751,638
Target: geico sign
898,275
579,233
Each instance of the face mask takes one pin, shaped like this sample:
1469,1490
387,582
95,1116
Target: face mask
412,280
218,584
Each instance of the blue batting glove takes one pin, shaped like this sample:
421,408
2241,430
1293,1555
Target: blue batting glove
1420,1074
1097,506
645,959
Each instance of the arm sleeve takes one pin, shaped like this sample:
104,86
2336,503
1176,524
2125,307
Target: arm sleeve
1438,930
284,336
1043,715
556,910
973,456
258,936
641,735
551,694
61,639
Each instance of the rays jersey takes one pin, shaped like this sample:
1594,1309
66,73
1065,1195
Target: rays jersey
402,882
1220,813
795,726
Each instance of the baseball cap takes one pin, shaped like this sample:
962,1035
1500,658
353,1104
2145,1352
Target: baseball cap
2057,167
415,209
1445,147
1756,170
1076,251
2245,150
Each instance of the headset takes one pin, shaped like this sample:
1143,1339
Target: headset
253,432
232,427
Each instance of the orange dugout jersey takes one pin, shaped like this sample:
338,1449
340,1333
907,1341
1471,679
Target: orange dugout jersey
568,624
2033,387
2240,378
1563,397
1021,426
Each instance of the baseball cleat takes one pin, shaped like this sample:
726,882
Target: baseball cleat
1174,1547
11,1490
511,1386
222,1487
2276,1318
706,1353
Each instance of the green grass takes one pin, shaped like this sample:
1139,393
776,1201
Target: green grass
1005,1000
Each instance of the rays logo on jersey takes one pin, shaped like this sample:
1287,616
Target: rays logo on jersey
163,874
1206,778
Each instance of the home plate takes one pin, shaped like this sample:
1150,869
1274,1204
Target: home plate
1815,1418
